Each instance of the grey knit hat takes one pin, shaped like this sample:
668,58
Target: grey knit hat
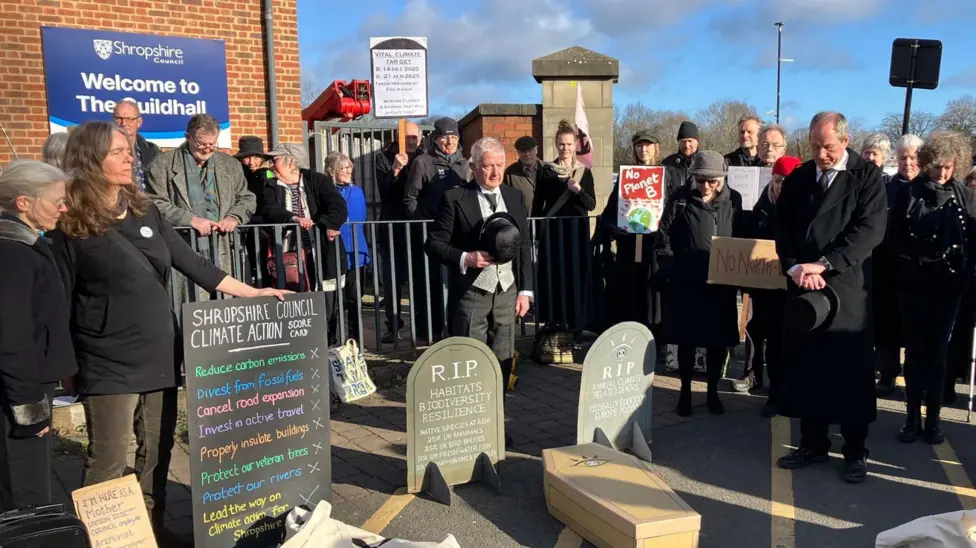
707,164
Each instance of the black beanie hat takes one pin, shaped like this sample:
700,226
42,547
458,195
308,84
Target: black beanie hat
687,130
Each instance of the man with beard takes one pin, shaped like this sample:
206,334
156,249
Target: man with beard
830,216
747,155
687,147
431,175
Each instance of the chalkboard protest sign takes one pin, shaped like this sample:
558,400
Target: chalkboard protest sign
257,398
615,393
115,513
455,418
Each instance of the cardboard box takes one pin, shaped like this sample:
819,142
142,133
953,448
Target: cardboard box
612,500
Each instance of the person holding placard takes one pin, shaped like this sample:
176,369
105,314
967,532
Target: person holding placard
35,341
638,294
764,332
699,314
116,252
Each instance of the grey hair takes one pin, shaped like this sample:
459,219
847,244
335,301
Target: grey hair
971,174
836,118
202,123
333,163
54,147
131,102
879,142
26,178
483,145
775,127
749,118
909,141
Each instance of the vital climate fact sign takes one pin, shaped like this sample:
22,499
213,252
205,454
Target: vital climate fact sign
87,72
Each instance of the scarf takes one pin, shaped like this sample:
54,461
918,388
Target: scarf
201,184
564,172
451,159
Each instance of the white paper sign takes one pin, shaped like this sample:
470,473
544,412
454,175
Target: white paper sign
745,181
765,177
399,67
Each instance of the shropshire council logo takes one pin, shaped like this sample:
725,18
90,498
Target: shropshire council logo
103,48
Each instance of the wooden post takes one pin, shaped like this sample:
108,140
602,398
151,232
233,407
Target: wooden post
744,317
402,135
638,248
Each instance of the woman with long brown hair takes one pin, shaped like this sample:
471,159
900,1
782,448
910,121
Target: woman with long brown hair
115,253
565,193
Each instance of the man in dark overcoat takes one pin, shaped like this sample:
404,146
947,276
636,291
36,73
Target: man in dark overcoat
830,216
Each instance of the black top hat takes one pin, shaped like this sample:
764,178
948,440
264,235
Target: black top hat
500,237
249,145
811,311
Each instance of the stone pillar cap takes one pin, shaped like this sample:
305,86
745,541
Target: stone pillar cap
575,63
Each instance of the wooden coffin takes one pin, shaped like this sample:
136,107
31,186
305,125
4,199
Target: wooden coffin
612,500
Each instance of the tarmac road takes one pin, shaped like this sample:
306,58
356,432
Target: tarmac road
722,466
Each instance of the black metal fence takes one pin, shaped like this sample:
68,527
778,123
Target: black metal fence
401,293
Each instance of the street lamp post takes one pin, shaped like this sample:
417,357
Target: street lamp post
779,63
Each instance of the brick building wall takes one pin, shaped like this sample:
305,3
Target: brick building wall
23,102
504,122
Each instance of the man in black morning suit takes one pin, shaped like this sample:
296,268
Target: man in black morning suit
484,297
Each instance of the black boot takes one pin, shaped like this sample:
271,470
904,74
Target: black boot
933,433
686,369
684,401
769,410
912,429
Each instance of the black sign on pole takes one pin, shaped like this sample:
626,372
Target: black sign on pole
914,64
257,399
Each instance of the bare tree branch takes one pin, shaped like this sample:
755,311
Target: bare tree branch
920,123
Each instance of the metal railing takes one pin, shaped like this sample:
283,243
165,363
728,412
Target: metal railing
400,287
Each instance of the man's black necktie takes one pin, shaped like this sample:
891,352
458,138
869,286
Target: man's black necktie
492,201
825,180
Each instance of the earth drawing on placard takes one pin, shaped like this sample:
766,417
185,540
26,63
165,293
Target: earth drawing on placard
640,220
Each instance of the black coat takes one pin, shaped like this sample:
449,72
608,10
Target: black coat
558,273
697,313
456,230
392,187
325,206
767,304
35,341
884,286
516,177
147,151
680,163
125,333
830,377
430,177
634,280
737,158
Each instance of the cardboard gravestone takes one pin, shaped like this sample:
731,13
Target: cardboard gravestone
615,393
257,398
115,514
455,418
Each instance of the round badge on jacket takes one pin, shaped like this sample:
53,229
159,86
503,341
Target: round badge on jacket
146,232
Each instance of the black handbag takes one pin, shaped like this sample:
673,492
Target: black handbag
42,527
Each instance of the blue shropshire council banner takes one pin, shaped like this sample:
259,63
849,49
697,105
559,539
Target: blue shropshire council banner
88,71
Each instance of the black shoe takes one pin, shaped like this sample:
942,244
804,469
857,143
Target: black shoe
715,406
801,458
684,404
911,431
933,433
744,385
855,470
768,410
885,386
949,397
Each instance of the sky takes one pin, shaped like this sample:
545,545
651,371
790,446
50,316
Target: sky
674,55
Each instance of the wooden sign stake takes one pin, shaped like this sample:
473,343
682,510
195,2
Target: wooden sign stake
638,248
402,135
744,318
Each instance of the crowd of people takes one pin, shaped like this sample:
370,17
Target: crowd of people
88,251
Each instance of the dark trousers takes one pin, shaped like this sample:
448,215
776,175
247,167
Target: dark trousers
424,283
489,318
25,465
112,419
928,318
352,295
714,363
394,271
814,436
887,360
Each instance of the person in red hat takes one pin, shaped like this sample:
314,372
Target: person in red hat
763,329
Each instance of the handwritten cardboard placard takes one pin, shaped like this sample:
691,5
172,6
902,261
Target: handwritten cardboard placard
745,263
115,513
640,202
257,396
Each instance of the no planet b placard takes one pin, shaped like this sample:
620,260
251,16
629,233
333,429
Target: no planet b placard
454,414
257,399
640,199
615,392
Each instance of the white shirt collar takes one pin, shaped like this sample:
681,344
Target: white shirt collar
484,190
839,166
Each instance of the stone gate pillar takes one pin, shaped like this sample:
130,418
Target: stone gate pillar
560,73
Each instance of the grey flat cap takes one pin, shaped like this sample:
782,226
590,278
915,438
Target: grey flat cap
707,164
